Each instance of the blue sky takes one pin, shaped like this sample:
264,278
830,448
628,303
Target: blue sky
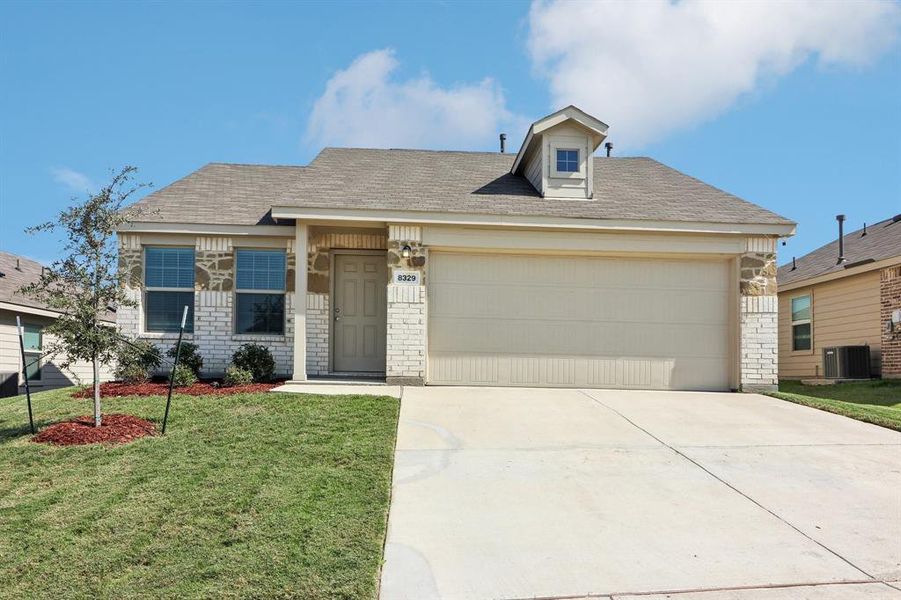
804,118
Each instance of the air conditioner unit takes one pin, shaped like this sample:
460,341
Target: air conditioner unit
9,384
846,362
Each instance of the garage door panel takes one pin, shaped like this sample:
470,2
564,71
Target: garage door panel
552,271
578,321
584,338
558,303
580,371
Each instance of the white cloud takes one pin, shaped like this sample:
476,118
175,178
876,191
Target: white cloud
73,180
651,68
364,105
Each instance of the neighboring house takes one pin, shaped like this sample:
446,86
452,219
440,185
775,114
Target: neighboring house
826,302
43,372
550,267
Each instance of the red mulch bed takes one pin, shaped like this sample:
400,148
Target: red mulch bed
113,389
114,429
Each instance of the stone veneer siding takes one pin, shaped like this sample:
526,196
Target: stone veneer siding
407,306
890,300
758,317
406,349
213,301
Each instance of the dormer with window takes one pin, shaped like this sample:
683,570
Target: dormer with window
556,156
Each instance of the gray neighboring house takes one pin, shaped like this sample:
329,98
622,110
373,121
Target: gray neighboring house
548,267
43,373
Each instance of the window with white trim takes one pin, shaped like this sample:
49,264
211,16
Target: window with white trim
567,160
801,323
168,288
260,291
33,339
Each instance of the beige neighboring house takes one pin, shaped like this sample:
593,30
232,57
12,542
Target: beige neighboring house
547,267
825,302
15,272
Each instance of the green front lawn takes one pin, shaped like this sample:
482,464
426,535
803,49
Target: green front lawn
877,402
257,495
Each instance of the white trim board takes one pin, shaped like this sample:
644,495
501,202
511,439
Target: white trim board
39,312
577,241
208,229
448,218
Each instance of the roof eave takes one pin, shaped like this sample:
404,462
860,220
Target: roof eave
527,221
833,275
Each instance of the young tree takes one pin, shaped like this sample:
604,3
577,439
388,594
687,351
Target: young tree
86,284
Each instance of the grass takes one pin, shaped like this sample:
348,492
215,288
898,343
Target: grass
248,496
877,402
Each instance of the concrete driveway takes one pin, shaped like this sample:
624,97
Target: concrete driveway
524,493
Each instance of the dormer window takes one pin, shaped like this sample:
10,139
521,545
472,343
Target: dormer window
567,160
556,156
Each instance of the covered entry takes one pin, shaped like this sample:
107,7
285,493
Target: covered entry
538,320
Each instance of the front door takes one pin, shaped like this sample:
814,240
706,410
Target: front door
359,313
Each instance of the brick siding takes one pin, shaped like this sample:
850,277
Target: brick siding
759,316
890,300
406,343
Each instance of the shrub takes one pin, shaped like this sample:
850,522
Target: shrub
136,360
189,357
237,376
131,374
256,359
183,376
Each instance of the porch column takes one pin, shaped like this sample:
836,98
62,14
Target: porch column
300,303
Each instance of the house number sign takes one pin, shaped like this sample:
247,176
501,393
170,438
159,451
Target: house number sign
407,277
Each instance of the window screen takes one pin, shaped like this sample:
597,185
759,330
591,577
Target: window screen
169,287
169,267
261,269
259,297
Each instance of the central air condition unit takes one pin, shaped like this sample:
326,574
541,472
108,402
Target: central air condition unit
9,384
846,362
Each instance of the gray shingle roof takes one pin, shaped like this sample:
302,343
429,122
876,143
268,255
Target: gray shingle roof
14,278
219,193
442,181
882,241
19,271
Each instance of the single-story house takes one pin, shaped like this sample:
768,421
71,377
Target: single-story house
845,293
548,267
43,371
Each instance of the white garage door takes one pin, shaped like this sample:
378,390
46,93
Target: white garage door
647,323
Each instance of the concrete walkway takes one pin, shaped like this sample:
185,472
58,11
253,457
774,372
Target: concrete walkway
524,493
339,388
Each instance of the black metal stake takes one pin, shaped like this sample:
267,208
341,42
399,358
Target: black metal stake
181,331
21,332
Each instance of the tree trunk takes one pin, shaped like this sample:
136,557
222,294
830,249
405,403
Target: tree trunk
96,392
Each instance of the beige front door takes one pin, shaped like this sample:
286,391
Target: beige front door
359,313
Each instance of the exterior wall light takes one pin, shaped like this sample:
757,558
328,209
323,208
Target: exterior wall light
406,251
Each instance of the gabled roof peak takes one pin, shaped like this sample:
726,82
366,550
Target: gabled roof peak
569,113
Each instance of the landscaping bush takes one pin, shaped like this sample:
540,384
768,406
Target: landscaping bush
237,376
189,357
257,359
183,376
131,374
136,360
